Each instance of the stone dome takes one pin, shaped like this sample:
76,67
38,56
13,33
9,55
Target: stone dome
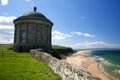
33,15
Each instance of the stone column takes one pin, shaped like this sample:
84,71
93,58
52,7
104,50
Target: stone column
15,31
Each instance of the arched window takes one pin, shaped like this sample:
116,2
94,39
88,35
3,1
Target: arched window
23,36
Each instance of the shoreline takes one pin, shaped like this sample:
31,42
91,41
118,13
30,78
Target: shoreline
104,72
92,65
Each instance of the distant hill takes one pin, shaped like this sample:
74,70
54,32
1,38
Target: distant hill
61,51
100,49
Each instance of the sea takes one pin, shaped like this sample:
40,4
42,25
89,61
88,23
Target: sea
110,60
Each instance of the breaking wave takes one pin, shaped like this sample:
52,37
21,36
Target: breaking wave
106,62
117,71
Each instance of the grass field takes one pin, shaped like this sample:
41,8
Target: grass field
20,66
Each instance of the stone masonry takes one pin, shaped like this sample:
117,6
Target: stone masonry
62,67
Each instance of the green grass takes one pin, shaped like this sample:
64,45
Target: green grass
61,52
59,47
20,66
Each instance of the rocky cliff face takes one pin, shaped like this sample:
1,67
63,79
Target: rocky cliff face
62,67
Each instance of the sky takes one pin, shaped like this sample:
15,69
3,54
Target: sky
77,23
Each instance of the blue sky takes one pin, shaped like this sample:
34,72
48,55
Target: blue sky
77,23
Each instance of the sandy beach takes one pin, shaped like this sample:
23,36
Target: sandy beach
82,59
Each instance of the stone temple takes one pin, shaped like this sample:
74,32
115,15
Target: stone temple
32,31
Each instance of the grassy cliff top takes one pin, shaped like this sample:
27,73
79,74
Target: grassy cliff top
61,52
20,66
59,47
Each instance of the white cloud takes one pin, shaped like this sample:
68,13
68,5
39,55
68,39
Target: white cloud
83,34
56,35
6,22
7,19
4,2
95,44
6,36
6,29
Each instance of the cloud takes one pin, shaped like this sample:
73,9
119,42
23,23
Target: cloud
56,35
6,29
6,36
8,19
4,2
6,22
95,44
83,34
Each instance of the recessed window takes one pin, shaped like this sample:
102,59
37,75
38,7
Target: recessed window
23,36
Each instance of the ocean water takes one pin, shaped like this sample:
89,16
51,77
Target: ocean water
110,60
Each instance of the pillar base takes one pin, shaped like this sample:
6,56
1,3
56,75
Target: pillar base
28,47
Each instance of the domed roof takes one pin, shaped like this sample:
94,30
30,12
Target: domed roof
34,15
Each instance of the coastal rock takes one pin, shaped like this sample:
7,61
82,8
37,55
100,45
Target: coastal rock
62,67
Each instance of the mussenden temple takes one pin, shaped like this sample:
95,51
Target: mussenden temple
32,30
